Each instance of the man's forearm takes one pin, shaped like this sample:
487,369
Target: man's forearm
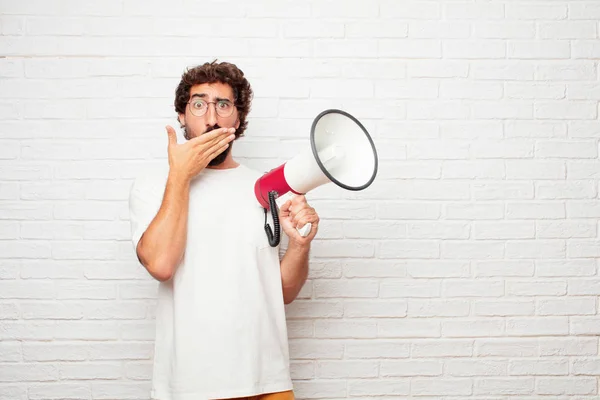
294,270
162,246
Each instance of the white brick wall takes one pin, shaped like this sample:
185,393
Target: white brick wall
467,271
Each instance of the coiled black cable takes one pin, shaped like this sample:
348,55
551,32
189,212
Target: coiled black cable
274,238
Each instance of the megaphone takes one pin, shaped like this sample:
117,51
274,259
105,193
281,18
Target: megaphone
341,151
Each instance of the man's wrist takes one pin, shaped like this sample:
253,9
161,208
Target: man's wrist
178,179
298,247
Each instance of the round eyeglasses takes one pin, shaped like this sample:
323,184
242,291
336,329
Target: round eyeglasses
199,107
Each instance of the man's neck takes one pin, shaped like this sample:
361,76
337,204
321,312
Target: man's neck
227,164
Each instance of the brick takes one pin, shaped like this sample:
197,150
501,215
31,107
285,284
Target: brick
542,49
471,328
320,389
90,371
410,10
51,311
302,370
586,367
442,348
570,109
504,268
424,29
410,368
345,329
504,308
13,392
124,390
474,250
54,351
347,369
537,367
408,328
488,169
441,387
550,326
379,387
472,129
511,70
501,347
437,269
504,230
346,288
360,349
571,346
568,386
580,70
491,49
535,11
571,268
409,288
409,249
28,372
438,308
536,288
584,10
474,211
585,326
568,30
375,309
316,349
504,386
535,91
476,367
504,190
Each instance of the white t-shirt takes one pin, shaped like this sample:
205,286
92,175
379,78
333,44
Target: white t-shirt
220,322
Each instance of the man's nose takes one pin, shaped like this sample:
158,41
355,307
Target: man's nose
211,115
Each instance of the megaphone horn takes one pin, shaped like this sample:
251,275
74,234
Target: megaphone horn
341,151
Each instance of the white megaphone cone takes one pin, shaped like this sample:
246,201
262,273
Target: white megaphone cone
341,151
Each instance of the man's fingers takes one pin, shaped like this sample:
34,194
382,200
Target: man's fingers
285,207
218,150
305,213
219,146
172,135
211,137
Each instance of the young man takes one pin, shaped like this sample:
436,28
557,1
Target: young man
198,229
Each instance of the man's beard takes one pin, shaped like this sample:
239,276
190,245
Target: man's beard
220,158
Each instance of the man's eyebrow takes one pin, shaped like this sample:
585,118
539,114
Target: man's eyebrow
204,95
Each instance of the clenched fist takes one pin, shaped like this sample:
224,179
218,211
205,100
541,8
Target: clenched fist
296,213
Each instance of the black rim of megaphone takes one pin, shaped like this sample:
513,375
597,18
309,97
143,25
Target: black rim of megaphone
316,153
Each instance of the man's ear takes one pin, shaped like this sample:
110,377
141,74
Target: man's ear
237,123
181,119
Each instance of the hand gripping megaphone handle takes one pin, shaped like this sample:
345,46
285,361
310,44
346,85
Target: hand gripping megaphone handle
303,231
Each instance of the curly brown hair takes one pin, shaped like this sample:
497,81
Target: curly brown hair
212,72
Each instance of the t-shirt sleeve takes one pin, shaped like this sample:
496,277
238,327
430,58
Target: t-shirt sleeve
145,199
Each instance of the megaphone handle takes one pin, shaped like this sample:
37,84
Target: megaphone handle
303,231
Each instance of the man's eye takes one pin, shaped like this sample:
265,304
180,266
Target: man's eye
223,104
199,104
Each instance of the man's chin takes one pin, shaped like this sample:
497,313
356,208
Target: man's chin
218,160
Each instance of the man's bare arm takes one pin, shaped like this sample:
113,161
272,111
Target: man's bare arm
162,245
294,264
294,271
